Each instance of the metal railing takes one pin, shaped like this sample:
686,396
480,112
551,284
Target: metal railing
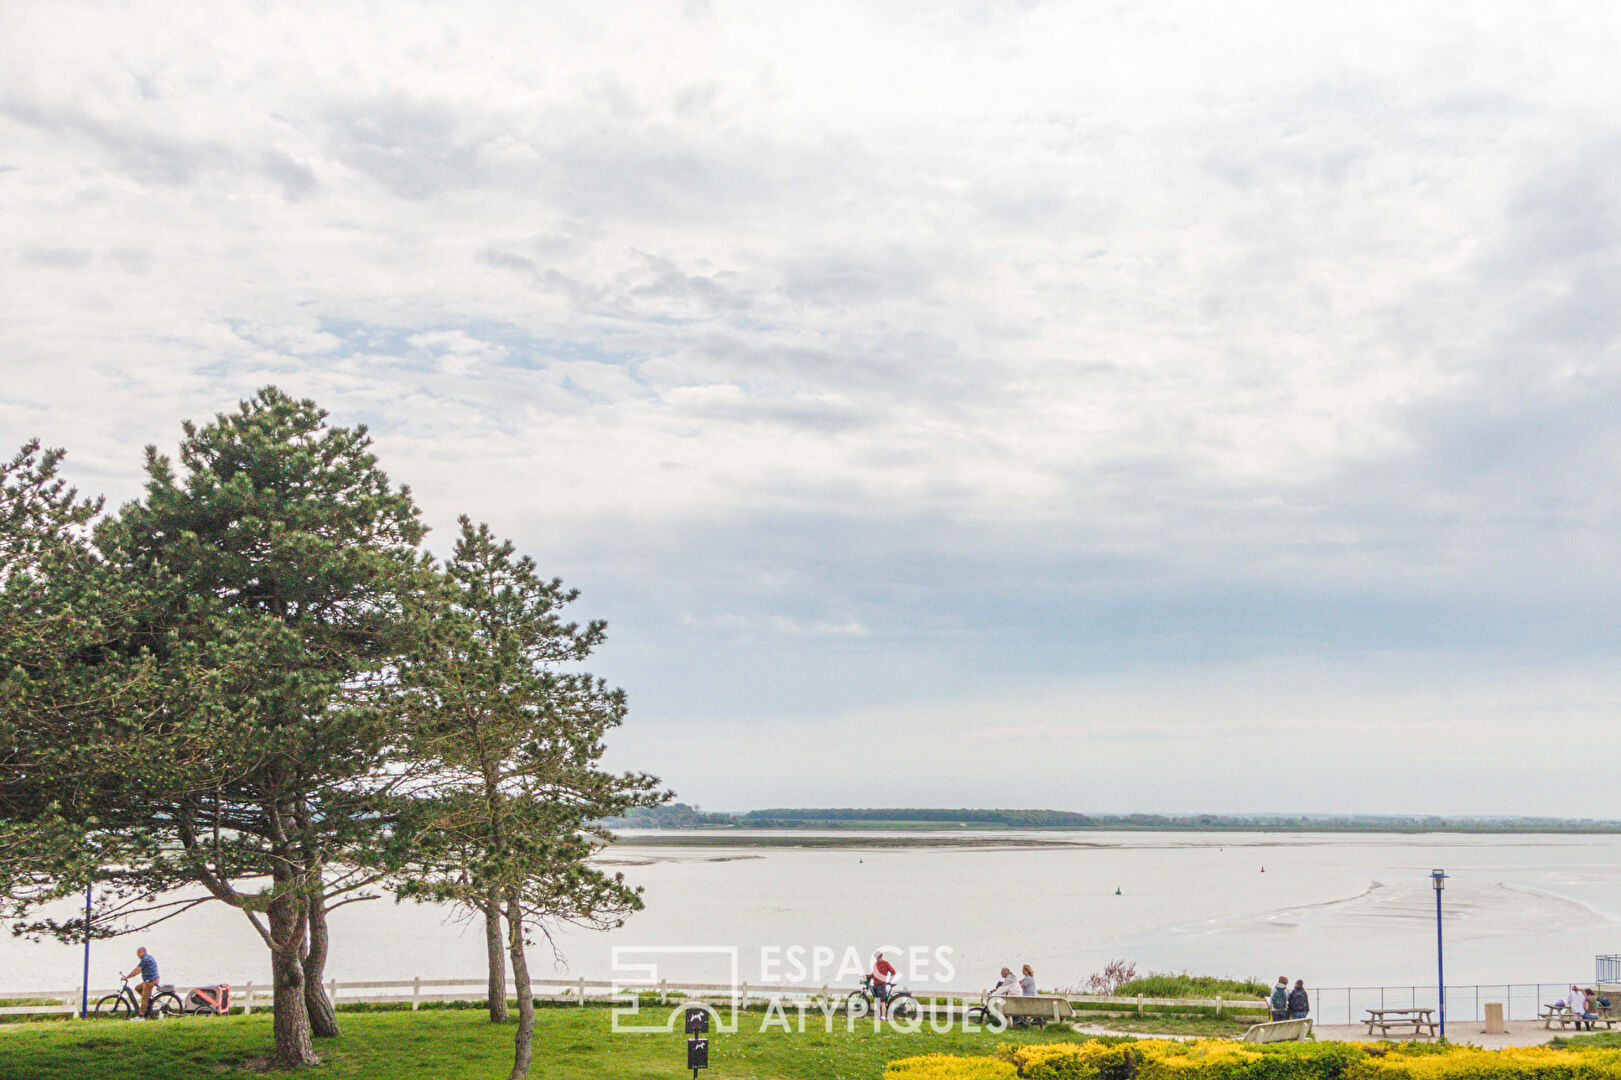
1465,1003
1608,969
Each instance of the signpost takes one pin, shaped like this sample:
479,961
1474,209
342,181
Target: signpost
697,1039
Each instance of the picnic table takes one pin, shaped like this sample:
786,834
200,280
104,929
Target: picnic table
1413,1022
1565,1016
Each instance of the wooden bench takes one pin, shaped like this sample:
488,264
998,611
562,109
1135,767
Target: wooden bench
1565,1017
1414,1022
1279,1031
1034,1010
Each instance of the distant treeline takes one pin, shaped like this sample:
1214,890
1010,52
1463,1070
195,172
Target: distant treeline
669,816
1013,819
683,816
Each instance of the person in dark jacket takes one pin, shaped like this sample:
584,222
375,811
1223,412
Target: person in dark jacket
1299,1003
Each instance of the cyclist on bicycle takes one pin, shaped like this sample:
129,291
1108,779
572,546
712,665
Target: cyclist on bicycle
148,967
882,980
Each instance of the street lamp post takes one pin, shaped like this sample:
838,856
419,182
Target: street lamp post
1438,878
84,992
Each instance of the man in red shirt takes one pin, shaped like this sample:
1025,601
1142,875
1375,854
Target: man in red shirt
883,979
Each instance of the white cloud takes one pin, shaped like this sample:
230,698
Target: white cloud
1241,330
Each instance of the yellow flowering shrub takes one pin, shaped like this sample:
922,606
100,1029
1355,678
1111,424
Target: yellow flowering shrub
948,1067
1161,1059
1218,1059
1471,1063
1069,1061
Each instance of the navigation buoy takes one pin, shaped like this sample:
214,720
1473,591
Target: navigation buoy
1263,869
1117,890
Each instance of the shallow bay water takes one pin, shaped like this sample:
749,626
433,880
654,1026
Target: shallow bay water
1334,909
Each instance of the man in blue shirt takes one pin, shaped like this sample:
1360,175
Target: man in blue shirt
148,967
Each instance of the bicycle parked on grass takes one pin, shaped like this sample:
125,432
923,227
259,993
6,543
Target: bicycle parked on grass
126,1003
901,1005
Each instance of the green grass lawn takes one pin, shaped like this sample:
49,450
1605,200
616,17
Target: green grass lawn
570,1044
1204,1026
1607,1040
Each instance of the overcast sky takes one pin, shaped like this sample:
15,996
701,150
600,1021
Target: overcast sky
1099,406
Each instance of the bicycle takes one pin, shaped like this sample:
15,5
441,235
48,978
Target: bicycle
902,1005
127,1003
986,1017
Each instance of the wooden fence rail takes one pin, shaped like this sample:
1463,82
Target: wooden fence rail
248,996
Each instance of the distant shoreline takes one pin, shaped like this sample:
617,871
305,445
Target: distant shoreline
863,837
789,838
681,818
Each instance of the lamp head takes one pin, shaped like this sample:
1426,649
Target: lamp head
1438,878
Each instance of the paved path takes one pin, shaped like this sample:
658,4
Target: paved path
1099,1029
1520,1033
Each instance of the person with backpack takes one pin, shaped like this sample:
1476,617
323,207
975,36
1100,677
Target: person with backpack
1280,999
1299,1003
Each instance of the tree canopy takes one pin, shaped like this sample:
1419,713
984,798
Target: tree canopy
253,682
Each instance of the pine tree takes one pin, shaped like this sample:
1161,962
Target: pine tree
271,580
507,738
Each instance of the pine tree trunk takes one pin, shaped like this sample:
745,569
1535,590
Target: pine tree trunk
523,1040
497,957
323,1015
294,1047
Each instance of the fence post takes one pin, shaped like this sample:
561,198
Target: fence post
582,991
1218,1005
247,1000
663,992
1139,1004
332,994
416,992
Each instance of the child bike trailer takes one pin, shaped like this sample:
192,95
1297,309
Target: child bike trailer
209,1000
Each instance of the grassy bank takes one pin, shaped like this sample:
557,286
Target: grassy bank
1165,985
570,1044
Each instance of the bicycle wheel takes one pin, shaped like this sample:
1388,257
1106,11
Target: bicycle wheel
113,1005
858,1004
904,1007
986,1019
164,1005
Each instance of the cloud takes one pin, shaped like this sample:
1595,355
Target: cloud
877,354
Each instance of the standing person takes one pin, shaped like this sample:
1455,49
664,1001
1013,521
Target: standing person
1280,999
1299,1003
882,979
148,967
1027,985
